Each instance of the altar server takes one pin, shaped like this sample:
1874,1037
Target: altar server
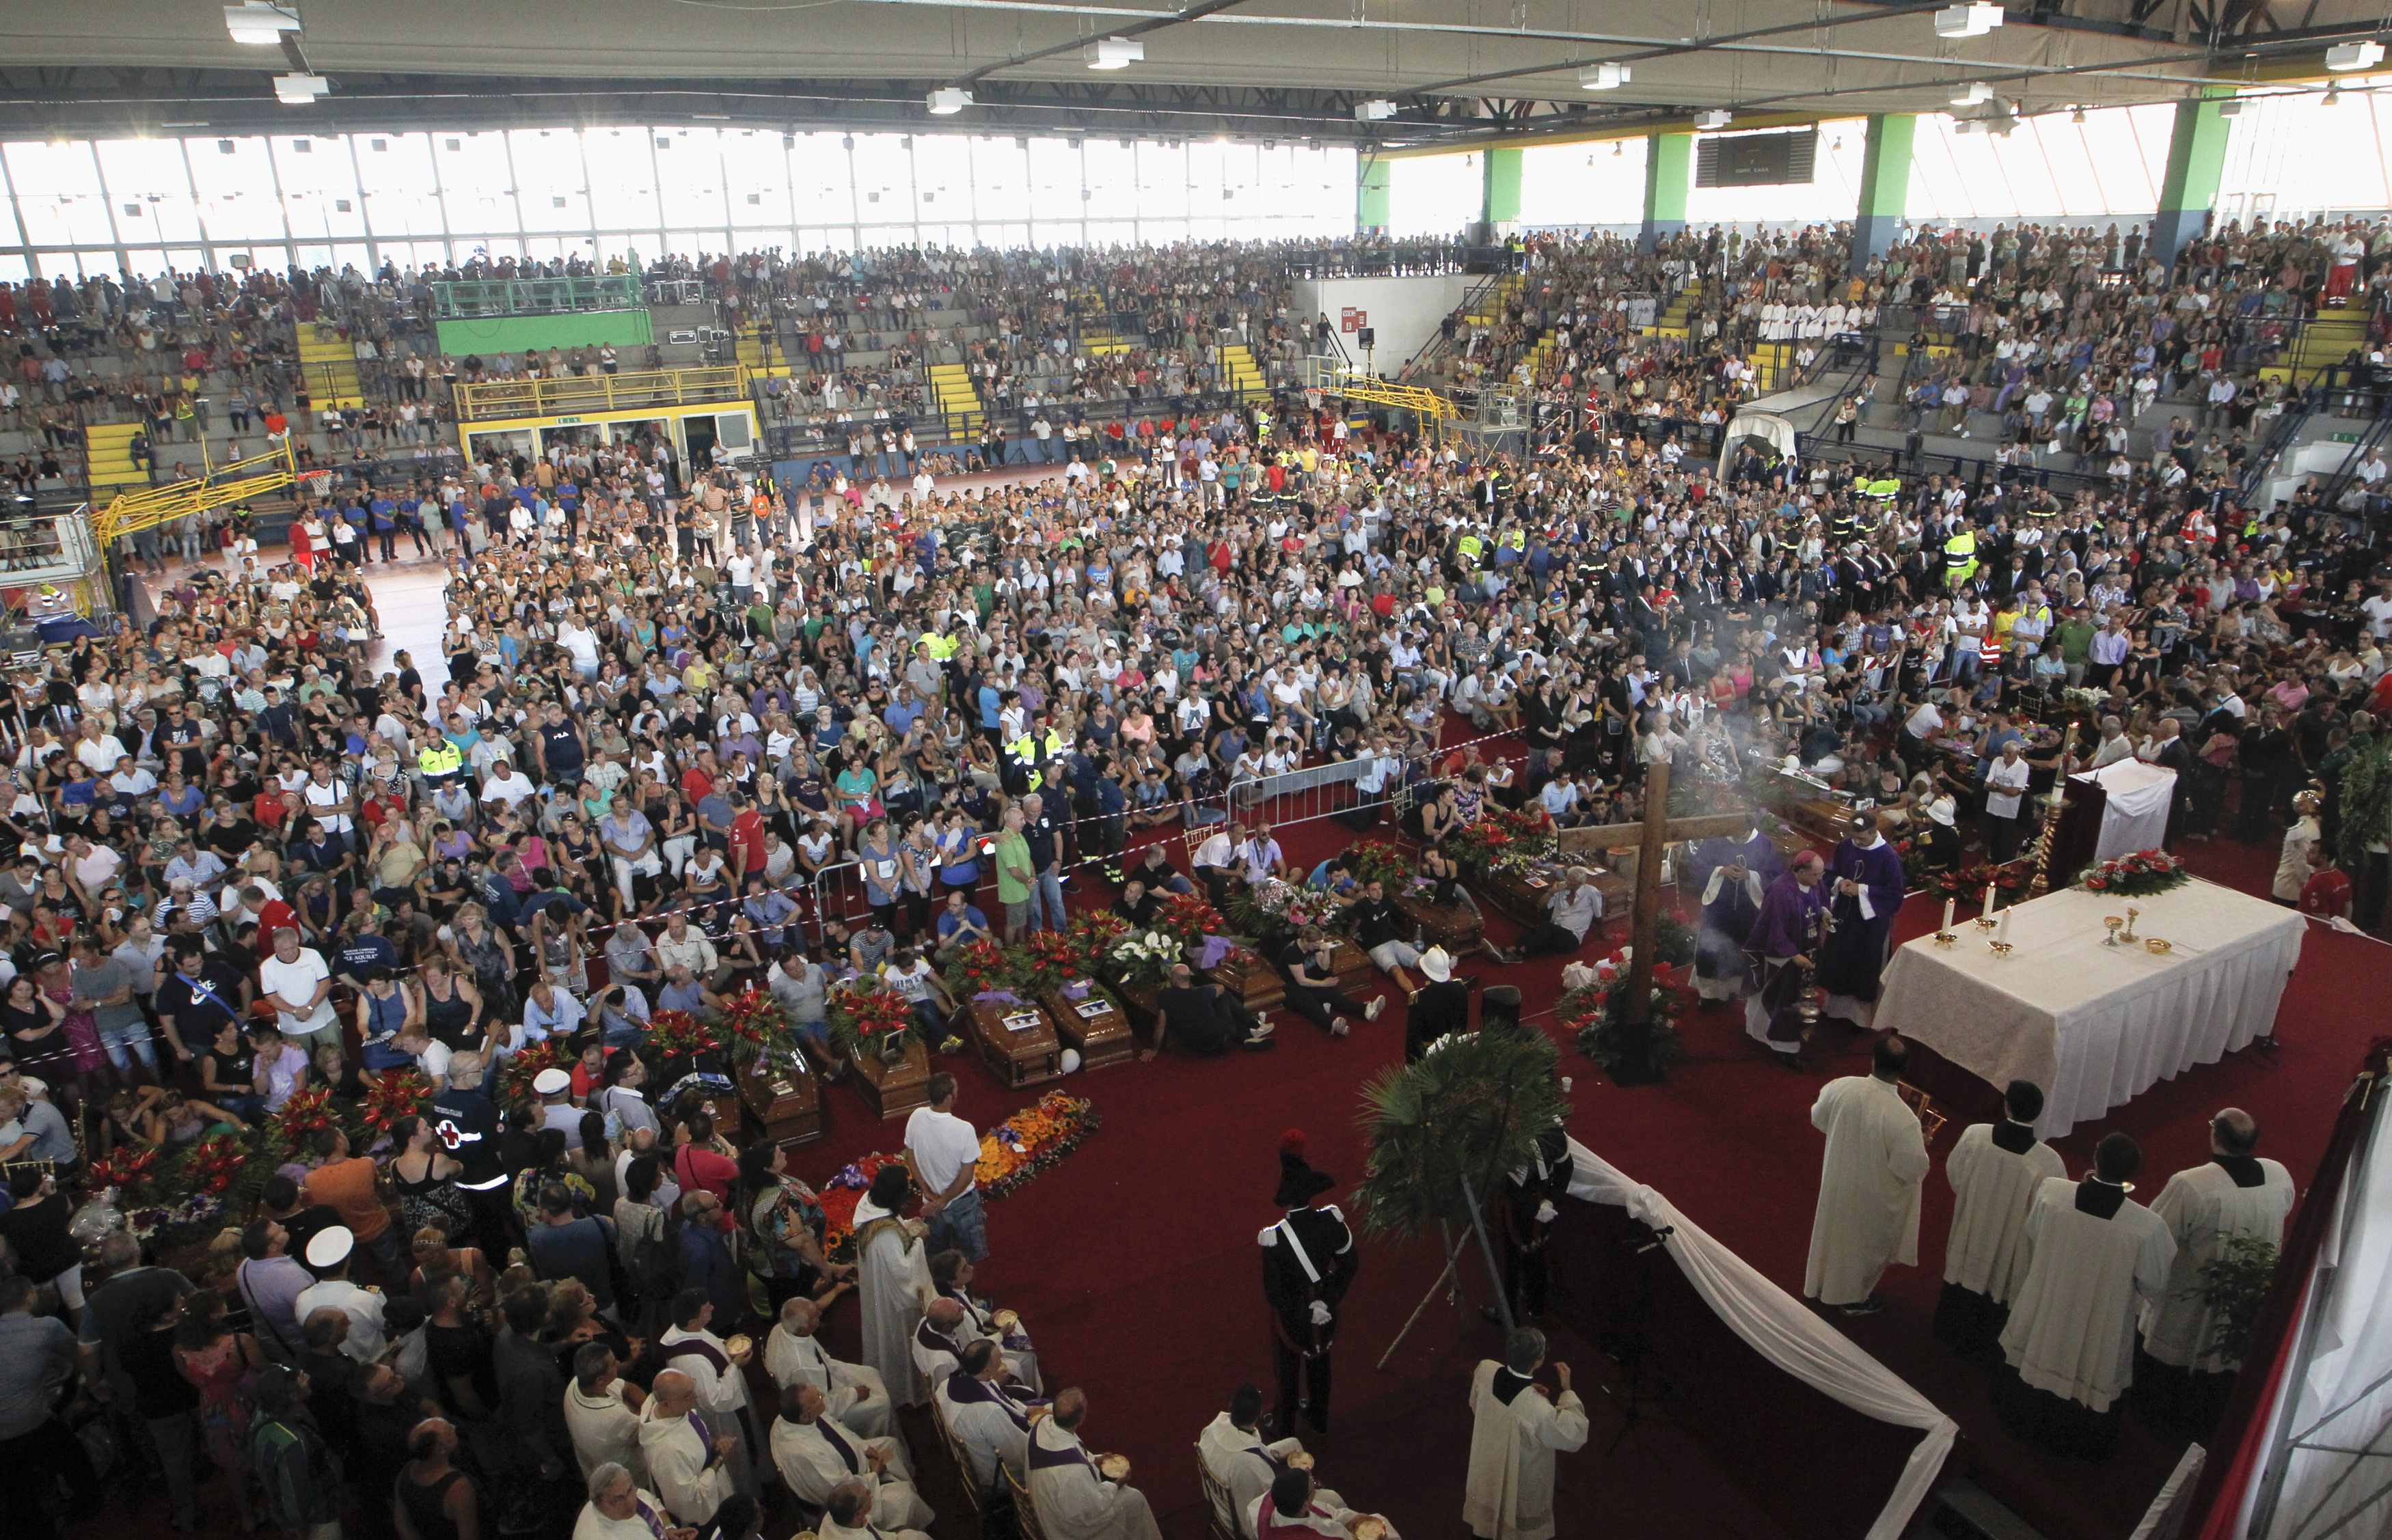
1731,874
1995,1171
1865,888
1308,1263
1073,1499
1867,1216
2070,1343
1516,1428
2235,1195
794,1356
1245,1463
892,1282
1784,949
813,1454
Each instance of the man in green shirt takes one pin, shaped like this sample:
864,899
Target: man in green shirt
2074,634
1015,876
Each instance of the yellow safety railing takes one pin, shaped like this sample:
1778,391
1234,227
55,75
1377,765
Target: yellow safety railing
221,487
503,400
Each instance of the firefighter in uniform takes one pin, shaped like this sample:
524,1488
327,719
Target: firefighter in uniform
1960,557
1308,1263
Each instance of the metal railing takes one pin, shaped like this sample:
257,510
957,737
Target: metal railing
220,487
534,296
501,399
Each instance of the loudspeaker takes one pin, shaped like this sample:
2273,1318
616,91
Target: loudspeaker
1366,336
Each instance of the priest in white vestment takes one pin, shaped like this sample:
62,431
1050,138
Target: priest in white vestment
2236,1194
853,1513
2070,1344
617,1509
1294,1509
938,1341
1073,1499
951,1275
688,1461
892,1281
1995,1169
986,1417
813,1453
1245,1463
858,1397
1868,1186
1516,1430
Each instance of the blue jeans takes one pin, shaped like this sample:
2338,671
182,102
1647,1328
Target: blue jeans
962,1226
135,1036
1047,892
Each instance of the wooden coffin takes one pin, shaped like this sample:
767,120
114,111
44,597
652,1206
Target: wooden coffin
1456,927
1016,1040
1095,1026
1351,965
1249,978
894,1090
783,1101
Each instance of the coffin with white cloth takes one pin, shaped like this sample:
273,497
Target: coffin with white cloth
1750,1367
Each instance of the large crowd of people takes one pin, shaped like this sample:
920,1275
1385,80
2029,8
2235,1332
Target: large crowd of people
692,730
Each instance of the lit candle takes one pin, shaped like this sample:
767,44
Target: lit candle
1989,900
2003,935
1945,928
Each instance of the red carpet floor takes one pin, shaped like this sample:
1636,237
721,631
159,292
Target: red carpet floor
1135,1261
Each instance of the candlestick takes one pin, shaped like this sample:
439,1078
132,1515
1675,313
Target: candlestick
1989,902
1947,918
2003,935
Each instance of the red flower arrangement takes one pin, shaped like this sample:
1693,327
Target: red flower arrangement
1092,936
130,1172
981,966
679,1035
756,1022
1380,860
1188,919
215,1162
874,1021
395,1097
522,1067
2008,882
308,1113
2136,875
1047,959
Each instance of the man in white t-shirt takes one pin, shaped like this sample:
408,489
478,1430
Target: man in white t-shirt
296,979
943,1152
507,784
2378,611
329,800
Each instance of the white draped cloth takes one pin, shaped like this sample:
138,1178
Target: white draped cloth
2072,1327
1867,1216
1784,1331
2135,816
1992,1190
2204,1209
856,1393
892,1281
2096,1025
1509,1493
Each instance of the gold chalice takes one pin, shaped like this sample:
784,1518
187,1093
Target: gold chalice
2112,921
739,1349
2156,947
1368,1526
2132,915
1005,1320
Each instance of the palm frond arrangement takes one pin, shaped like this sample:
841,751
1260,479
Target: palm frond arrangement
1466,1114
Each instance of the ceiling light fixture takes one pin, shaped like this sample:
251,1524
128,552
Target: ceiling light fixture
2366,53
298,90
2232,107
1714,118
1968,20
1604,77
2077,116
1115,53
1376,110
948,100
1971,94
2332,97
259,24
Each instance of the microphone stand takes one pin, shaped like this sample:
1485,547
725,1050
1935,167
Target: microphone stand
1632,1342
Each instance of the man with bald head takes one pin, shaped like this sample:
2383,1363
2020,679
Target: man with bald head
2233,1195
794,1355
852,1512
1076,1501
813,1454
689,1463
939,1339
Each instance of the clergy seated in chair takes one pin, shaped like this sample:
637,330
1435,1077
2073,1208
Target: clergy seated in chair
1869,1180
986,1417
1073,1499
2069,1345
951,1274
1245,1464
1517,1426
2233,1195
938,1341
1291,1508
814,1455
853,1513
1995,1171
794,1356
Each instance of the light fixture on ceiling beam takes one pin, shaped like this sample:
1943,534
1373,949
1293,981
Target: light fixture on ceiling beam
2365,54
1714,118
299,90
2332,97
948,100
1374,111
1604,77
1973,20
2230,108
1973,94
2077,116
1115,53
259,24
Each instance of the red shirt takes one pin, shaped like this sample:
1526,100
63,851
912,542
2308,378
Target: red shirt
274,916
747,839
694,1167
2327,894
696,784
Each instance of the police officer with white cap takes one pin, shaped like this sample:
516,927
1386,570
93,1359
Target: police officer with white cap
554,1088
328,1257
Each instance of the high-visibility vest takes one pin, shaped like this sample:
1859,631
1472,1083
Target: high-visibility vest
1468,546
1961,557
442,758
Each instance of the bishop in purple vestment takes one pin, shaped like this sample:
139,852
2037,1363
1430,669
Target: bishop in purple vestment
1785,949
1865,887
